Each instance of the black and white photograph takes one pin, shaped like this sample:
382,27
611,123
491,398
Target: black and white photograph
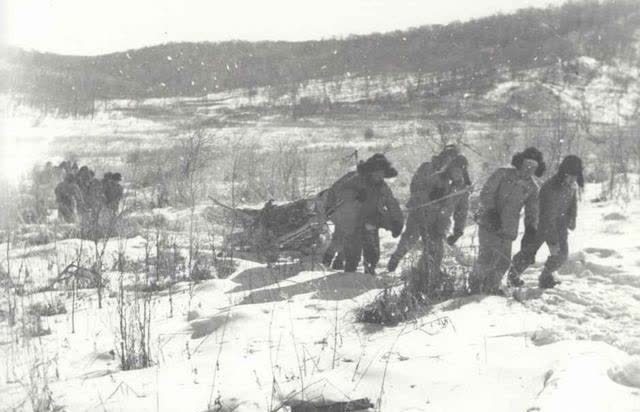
319,206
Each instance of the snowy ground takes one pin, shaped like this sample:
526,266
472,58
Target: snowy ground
267,337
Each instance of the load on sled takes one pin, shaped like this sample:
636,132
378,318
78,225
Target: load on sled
299,226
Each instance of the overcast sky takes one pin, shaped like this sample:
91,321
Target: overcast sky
100,26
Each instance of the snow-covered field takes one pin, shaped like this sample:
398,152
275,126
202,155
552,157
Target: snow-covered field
268,337
265,338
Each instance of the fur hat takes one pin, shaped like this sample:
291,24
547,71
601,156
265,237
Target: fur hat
533,154
449,152
377,162
570,165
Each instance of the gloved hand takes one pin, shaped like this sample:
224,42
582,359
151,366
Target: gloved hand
452,239
361,195
396,228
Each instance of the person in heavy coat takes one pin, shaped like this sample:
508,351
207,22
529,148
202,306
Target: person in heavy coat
558,211
112,190
503,196
423,179
359,204
84,177
448,196
69,198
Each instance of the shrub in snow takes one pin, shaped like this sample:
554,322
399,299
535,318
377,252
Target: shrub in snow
47,308
389,308
33,327
615,216
151,287
201,270
397,305
224,267
133,333
38,391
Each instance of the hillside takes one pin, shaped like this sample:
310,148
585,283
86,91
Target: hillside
530,38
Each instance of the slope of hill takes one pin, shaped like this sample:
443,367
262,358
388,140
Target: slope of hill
527,39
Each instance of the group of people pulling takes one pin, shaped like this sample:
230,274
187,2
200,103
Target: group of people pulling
82,194
361,202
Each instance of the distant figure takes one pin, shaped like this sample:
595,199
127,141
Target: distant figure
503,196
558,211
95,199
69,198
65,167
84,179
112,190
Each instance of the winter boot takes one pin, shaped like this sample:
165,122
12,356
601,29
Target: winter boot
393,263
547,281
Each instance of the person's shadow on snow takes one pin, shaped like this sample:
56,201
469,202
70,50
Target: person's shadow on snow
334,286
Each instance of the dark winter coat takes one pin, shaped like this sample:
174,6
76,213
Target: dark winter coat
113,193
558,210
355,201
426,187
95,199
501,201
69,194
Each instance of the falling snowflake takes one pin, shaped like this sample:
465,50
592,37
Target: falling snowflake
169,58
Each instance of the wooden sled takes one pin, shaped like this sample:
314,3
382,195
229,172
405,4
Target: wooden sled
275,229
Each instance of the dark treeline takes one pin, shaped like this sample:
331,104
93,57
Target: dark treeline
527,39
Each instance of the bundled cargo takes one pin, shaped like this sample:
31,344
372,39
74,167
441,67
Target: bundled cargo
295,226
